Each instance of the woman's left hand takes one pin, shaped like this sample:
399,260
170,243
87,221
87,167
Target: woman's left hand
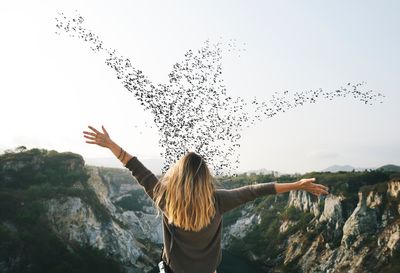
308,185
101,139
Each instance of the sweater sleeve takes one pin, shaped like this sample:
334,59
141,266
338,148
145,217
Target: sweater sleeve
230,199
143,175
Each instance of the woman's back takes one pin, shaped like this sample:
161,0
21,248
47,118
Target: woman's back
197,251
193,251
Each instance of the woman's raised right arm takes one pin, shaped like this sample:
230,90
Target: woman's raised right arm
305,184
144,176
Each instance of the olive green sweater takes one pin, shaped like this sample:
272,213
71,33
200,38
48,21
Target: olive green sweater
197,252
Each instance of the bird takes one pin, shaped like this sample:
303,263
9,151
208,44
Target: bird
193,108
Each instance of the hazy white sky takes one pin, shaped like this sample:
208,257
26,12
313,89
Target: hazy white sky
53,86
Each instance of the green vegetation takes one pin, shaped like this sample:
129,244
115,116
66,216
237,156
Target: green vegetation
263,238
39,250
339,183
291,213
229,182
231,217
28,178
394,265
390,168
349,183
266,241
36,166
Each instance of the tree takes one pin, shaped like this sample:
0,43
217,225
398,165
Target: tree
20,149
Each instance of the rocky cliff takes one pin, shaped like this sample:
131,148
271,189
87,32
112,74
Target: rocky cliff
53,203
129,236
346,232
80,205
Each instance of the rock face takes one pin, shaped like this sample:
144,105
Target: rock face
340,237
394,188
332,209
76,222
45,193
304,202
354,230
363,221
125,237
239,228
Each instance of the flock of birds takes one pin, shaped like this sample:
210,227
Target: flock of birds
193,111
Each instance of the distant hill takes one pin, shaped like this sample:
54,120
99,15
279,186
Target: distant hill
349,168
342,168
262,171
390,168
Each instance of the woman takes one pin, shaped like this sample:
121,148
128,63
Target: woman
192,208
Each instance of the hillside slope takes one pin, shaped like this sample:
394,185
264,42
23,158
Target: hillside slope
59,215
354,229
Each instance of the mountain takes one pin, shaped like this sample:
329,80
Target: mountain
58,214
342,168
390,168
261,171
348,168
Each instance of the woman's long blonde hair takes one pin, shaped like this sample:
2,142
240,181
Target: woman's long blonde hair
186,193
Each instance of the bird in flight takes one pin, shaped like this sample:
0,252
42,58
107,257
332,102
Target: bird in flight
193,111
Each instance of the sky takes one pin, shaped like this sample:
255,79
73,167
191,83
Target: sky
53,86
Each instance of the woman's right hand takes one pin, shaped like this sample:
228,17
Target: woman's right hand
96,137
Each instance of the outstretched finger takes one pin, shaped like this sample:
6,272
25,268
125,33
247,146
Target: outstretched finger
94,129
324,192
308,180
321,191
323,187
89,133
320,188
90,137
104,130
91,142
